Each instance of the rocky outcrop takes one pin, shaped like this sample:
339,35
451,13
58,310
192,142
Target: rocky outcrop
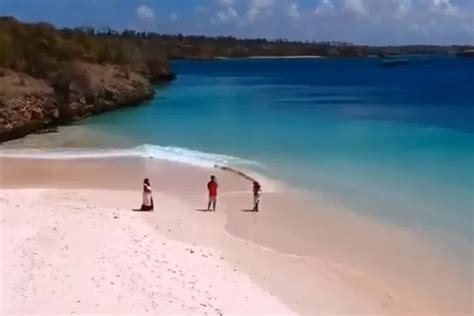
92,88
28,104
155,71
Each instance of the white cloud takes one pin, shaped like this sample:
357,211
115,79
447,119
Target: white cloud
252,13
444,7
228,15
403,8
360,21
356,6
222,15
232,13
258,7
145,14
226,2
294,11
324,7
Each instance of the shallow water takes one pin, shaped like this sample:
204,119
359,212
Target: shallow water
392,143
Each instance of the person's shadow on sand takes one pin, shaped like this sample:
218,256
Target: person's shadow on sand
249,210
202,210
140,210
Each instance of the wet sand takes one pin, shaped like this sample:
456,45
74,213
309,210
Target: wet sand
306,254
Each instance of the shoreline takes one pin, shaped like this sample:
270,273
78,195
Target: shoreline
327,262
32,106
274,57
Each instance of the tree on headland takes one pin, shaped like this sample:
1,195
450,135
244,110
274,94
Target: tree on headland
6,52
41,51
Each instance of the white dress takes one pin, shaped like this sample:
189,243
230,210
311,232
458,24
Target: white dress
147,196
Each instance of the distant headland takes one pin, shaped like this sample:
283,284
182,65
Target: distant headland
51,76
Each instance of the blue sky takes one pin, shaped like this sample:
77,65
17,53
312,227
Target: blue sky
360,21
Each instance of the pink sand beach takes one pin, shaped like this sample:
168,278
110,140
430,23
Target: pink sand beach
71,243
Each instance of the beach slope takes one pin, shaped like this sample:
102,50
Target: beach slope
64,253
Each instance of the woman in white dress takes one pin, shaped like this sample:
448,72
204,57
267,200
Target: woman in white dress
147,204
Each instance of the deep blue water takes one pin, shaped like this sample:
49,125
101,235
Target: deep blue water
393,143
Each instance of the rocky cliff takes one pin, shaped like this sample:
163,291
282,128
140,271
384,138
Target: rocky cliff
28,104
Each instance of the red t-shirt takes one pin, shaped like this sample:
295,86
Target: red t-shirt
212,187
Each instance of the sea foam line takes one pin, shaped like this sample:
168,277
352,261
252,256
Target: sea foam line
168,153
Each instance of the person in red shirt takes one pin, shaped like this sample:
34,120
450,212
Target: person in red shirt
212,188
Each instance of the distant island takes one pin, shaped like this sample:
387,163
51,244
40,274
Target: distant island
51,76
205,47
466,53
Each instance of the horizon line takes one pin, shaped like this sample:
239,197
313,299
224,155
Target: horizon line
96,28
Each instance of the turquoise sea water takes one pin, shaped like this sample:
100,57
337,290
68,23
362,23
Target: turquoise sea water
393,143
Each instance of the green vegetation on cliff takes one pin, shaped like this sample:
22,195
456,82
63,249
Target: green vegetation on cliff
42,51
38,49
50,77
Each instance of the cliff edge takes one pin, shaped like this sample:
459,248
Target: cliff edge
30,104
52,76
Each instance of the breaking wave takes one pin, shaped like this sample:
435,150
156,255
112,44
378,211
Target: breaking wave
176,154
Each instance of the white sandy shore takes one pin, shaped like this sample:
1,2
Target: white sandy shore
61,253
61,246
286,57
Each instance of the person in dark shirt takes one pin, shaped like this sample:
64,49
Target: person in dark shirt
257,189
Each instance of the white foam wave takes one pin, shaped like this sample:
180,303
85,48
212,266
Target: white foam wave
175,154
